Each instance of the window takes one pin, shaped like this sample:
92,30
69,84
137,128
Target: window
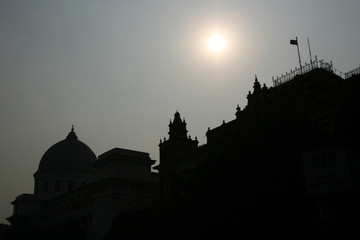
70,186
167,186
57,186
46,187
326,126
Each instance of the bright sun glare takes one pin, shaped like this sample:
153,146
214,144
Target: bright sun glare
216,43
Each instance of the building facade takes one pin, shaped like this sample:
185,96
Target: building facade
78,196
287,166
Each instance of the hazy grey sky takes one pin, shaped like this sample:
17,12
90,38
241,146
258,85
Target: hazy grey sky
118,70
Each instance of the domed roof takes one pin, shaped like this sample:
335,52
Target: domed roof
69,155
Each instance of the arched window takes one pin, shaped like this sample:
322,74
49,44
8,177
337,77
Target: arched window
70,186
57,186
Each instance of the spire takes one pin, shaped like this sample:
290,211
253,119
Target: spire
177,129
177,117
257,86
72,134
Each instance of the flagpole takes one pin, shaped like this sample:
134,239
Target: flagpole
297,45
309,51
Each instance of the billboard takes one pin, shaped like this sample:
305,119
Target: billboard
326,171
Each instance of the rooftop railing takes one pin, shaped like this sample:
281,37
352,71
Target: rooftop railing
351,73
307,68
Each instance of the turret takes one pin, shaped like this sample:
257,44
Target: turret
257,93
177,128
178,143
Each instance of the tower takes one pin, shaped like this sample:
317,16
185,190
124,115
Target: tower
178,143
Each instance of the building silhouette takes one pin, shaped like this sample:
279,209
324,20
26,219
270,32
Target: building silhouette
287,166
78,196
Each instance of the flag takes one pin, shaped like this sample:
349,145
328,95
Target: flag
293,42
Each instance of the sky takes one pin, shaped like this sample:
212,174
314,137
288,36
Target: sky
119,70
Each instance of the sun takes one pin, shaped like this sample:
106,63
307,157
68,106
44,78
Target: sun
217,43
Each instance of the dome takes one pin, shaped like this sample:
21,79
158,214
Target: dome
70,155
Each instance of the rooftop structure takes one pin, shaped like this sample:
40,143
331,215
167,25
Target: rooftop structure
311,66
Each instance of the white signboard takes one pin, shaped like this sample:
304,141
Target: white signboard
326,171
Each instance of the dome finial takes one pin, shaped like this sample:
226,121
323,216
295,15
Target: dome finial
72,134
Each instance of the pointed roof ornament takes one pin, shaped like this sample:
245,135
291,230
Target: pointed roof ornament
72,135
257,85
238,111
265,87
177,118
